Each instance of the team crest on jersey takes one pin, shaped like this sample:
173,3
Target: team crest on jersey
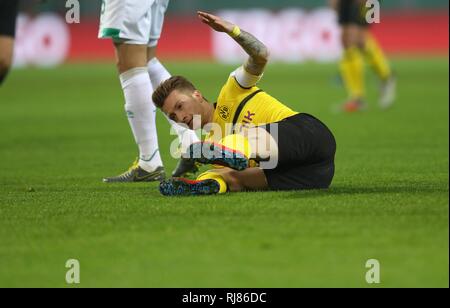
224,112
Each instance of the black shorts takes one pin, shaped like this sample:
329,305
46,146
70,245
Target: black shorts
306,154
8,15
352,12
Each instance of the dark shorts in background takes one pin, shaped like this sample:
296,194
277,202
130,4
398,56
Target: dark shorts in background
306,154
8,15
352,12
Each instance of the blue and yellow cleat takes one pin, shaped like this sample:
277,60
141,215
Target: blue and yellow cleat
216,154
185,187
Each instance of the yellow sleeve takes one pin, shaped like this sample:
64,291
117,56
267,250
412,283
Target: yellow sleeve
232,89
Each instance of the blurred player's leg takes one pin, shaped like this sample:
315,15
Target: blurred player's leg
352,68
376,57
351,19
6,54
380,65
8,14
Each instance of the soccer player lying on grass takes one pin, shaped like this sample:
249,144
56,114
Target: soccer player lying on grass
261,144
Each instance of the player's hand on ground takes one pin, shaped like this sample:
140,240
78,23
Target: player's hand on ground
215,22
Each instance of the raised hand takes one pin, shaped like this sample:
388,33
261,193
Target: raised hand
215,22
258,52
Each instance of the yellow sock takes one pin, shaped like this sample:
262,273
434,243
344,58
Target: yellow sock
208,175
377,58
352,72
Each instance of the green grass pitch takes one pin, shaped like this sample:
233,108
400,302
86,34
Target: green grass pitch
64,129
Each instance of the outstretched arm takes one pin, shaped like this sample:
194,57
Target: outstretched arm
257,51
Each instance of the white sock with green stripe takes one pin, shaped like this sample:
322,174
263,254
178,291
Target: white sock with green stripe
141,113
158,73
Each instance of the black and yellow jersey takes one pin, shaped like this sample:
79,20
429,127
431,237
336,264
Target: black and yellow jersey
260,109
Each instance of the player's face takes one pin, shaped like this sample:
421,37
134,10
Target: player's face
181,107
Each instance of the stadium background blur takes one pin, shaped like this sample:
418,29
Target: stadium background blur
63,129
405,29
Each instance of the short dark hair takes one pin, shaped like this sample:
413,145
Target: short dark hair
173,83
